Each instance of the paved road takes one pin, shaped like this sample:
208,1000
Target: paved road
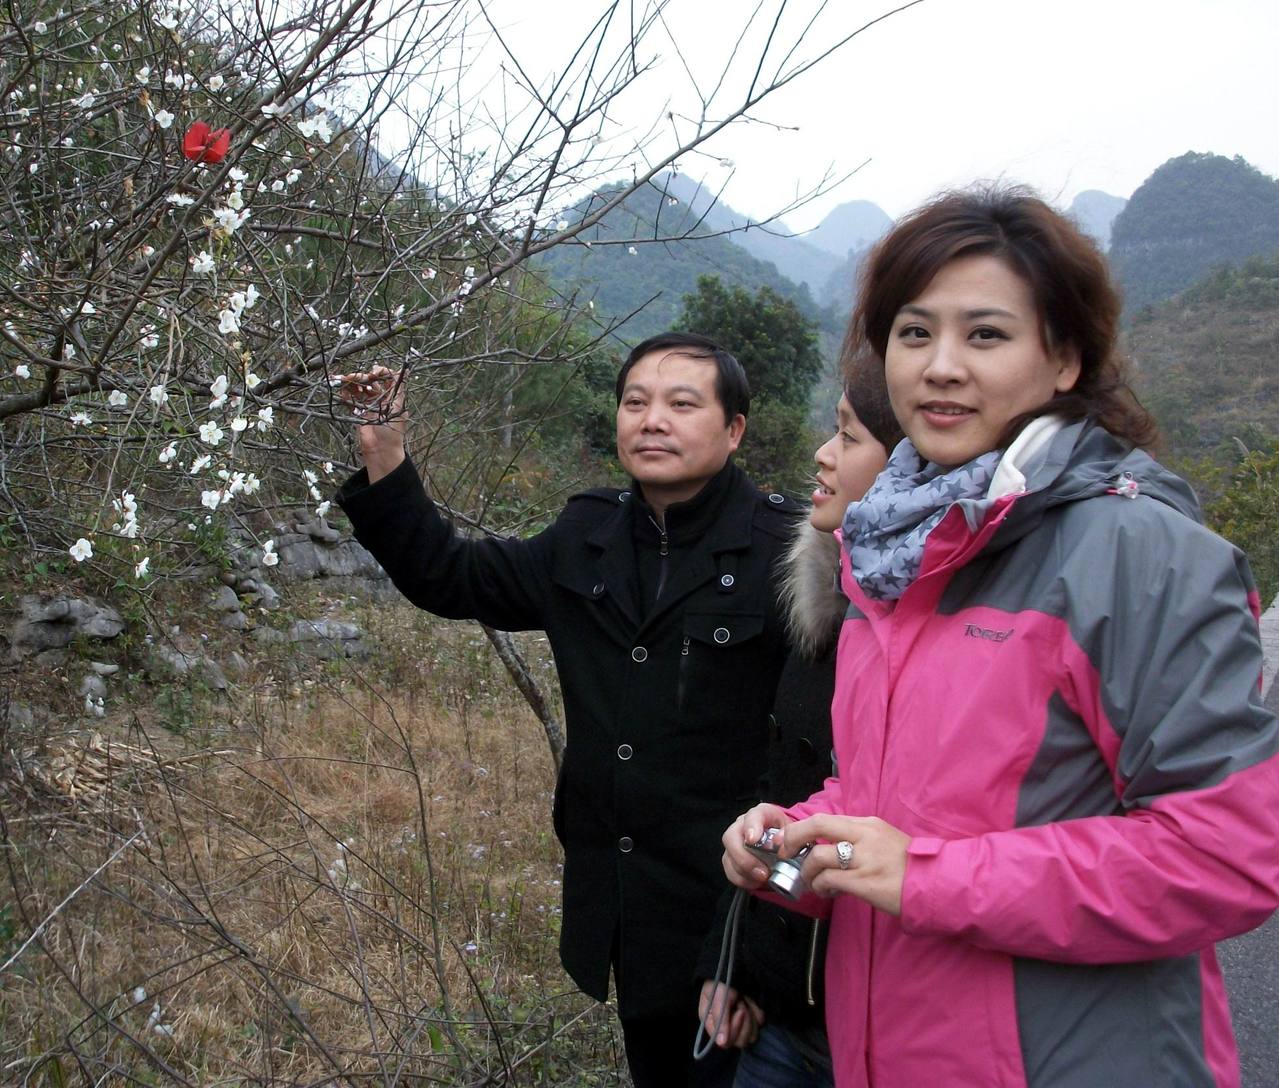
1251,962
1251,966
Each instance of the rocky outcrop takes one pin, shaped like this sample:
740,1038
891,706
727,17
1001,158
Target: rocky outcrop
51,622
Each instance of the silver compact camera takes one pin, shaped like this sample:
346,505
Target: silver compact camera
784,873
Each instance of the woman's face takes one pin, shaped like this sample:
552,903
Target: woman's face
966,357
846,467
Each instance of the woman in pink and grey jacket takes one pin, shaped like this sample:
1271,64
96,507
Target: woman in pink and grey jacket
1057,787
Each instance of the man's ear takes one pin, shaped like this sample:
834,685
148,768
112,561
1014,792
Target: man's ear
736,429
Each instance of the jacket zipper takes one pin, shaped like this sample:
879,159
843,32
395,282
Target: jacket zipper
683,662
662,551
812,963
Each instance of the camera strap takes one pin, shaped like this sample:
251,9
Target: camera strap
704,1044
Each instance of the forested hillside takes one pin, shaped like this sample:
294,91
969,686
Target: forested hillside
647,255
1207,359
1193,213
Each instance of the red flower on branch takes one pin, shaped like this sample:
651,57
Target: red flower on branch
204,145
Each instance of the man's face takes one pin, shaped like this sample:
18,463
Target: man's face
671,432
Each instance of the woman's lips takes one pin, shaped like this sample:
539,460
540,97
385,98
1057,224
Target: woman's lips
943,414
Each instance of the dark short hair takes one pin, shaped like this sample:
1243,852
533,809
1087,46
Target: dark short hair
1068,277
732,389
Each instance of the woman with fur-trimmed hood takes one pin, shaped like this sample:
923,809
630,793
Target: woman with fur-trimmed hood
776,1003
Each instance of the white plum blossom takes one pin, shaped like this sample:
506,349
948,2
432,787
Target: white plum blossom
168,453
158,395
251,483
212,499
562,225
237,176
81,419
40,26
235,199
150,338
22,371
140,571
292,176
323,508
210,433
277,186
180,200
269,558
163,118
266,417
143,74
429,273
68,351
229,220
238,424
202,263
81,550
169,20
632,250
314,492
469,271
316,126
86,100
228,322
199,464
309,476
327,468
217,390
88,308
251,380
118,398
95,705
271,109
139,995
216,82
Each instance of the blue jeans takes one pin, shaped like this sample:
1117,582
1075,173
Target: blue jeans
782,1058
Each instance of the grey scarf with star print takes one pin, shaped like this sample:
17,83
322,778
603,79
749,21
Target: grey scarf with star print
885,532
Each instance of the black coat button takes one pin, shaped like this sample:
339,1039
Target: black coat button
626,844
639,654
807,750
598,591
625,751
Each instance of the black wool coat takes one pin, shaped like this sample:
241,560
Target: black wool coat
666,708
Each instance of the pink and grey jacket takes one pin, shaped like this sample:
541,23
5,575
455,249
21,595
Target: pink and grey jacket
1063,712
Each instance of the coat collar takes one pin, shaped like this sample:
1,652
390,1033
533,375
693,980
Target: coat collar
729,531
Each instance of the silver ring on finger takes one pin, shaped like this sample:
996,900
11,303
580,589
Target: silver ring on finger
844,853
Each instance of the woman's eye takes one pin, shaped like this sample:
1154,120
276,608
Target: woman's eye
986,333
913,332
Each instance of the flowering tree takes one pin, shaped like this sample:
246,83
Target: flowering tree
211,212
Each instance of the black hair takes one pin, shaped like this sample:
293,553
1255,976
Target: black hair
732,389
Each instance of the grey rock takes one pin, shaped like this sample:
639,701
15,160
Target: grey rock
299,561
50,622
93,685
248,584
323,631
235,621
53,659
18,716
357,648
237,663
104,668
319,529
267,597
226,600
269,636
227,578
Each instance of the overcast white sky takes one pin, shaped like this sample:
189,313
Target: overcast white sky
1092,94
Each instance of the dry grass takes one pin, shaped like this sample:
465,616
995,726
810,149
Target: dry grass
337,878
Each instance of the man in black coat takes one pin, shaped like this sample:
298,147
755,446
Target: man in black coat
660,608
